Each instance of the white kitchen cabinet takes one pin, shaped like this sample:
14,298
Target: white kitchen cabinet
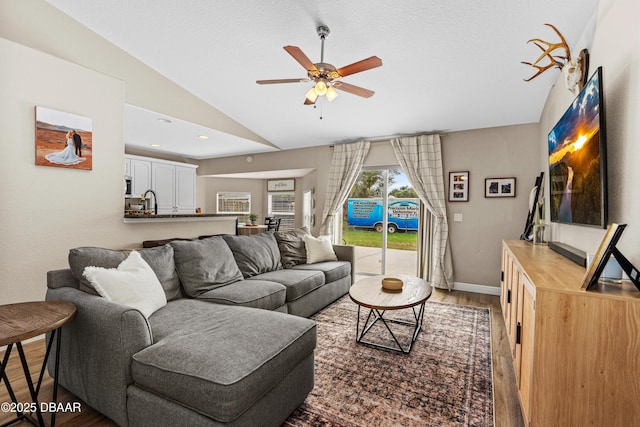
173,183
175,187
185,189
140,173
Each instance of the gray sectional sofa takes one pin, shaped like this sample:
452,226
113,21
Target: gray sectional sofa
232,346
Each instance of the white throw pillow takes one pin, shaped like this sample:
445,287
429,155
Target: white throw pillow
133,284
319,249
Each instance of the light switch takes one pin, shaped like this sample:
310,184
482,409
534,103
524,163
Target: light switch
457,217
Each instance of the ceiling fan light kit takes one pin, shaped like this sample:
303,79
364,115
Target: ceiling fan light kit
325,76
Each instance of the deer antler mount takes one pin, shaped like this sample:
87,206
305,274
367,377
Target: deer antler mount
547,48
574,68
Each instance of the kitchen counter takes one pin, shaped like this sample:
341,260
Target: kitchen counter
134,218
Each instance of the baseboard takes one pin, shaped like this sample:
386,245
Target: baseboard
478,289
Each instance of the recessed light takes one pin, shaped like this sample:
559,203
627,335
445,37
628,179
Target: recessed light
203,137
155,145
163,120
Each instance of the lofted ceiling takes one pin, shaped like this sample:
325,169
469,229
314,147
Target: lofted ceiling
447,65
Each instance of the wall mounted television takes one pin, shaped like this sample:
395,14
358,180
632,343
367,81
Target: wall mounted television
578,160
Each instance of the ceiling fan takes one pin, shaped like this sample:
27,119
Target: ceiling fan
326,76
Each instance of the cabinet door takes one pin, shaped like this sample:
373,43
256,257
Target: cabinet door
506,307
510,299
185,189
523,357
140,176
514,282
163,183
503,283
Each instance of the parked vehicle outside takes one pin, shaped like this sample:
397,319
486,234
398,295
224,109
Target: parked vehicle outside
402,214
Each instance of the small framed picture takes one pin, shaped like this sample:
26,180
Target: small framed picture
500,187
281,185
63,139
459,186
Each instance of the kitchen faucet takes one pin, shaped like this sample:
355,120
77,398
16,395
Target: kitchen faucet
155,200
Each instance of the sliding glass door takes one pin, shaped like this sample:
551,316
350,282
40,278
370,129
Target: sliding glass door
381,219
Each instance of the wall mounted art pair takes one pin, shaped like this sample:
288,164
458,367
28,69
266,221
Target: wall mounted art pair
493,187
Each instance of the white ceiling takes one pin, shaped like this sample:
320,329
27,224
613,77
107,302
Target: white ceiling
447,65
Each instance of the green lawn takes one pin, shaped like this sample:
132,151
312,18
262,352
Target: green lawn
399,240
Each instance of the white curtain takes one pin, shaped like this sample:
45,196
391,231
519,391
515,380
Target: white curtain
421,159
345,167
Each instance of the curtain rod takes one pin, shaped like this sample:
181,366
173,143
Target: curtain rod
388,138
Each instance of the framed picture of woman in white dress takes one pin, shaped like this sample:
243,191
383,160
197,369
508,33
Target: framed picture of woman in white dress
63,139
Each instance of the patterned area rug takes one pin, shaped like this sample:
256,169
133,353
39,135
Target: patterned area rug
444,381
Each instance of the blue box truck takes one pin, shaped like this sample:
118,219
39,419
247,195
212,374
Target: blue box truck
402,214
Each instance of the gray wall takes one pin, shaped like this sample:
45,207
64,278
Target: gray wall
510,151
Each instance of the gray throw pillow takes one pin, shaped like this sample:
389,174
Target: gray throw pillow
255,254
204,265
292,248
160,260
87,256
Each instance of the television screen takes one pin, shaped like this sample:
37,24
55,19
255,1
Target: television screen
577,160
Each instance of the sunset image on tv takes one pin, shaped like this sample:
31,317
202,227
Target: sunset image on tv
575,161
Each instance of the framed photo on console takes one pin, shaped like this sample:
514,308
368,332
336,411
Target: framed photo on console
459,186
600,259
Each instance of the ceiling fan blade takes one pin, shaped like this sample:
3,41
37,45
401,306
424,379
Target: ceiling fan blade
270,82
357,67
308,102
299,56
355,90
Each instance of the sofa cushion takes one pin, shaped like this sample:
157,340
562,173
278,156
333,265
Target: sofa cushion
255,254
204,264
248,293
162,263
133,284
291,246
220,359
319,249
297,282
159,259
333,270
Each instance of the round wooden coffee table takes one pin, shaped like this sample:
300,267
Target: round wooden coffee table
19,322
369,293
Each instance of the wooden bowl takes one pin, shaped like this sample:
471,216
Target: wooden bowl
392,284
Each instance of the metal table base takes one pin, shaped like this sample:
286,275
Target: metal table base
378,315
34,389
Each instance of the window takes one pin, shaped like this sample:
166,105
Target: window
234,203
283,205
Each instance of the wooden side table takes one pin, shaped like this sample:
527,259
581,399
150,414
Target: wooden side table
250,230
21,321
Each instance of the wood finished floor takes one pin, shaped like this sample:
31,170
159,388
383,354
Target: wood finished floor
506,406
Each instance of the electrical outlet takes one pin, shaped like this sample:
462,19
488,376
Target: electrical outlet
457,217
